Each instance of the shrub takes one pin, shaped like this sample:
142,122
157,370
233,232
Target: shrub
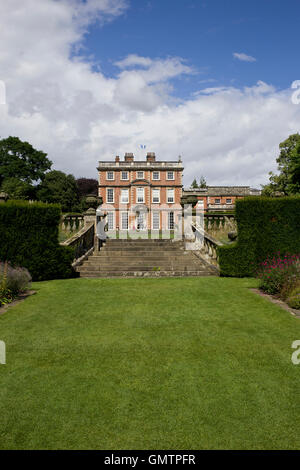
5,294
29,238
280,274
294,298
265,226
16,280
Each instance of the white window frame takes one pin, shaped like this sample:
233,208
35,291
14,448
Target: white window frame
169,220
173,175
173,195
156,179
137,195
140,177
127,220
228,199
156,213
111,213
127,173
113,175
153,191
122,192
217,199
113,194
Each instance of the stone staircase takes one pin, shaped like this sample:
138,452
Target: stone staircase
144,258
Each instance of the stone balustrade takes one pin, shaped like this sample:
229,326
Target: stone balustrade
208,246
82,242
216,221
72,222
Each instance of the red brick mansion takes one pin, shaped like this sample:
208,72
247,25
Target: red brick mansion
141,194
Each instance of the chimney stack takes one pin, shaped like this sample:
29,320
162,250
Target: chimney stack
117,159
128,157
150,157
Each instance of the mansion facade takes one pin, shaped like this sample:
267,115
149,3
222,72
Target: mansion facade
141,195
147,195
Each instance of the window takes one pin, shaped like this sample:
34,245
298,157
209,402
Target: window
155,195
140,175
171,220
228,201
110,195
124,196
155,175
170,175
170,195
124,175
155,220
124,220
140,197
109,175
218,201
110,220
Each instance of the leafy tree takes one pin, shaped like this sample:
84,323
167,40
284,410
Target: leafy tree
20,160
57,187
194,184
202,183
18,189
295,170
87,186
287,181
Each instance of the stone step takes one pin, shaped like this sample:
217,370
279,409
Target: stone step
140,250
143,241
125,274
177,267
125,256
143,246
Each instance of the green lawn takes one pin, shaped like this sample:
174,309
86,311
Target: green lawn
195,363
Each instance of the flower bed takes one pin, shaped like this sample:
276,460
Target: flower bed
13,281
280,276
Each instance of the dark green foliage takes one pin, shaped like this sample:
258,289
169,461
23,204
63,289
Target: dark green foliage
266,226
18,189
59,188
29,238
20,160
287,182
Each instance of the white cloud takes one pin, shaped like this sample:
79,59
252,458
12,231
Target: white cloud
243,57
78,116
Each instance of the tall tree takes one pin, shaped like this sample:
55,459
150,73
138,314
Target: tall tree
20,160
286,181
202,183
18,189
57,187
194,184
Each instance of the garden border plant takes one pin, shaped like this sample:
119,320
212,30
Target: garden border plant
280,276
13,281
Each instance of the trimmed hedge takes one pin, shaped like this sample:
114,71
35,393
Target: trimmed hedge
266,226
29,238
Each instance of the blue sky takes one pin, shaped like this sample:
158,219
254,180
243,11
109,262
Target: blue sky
90,79
206,34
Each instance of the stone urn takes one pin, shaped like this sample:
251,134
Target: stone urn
3,196
93,201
